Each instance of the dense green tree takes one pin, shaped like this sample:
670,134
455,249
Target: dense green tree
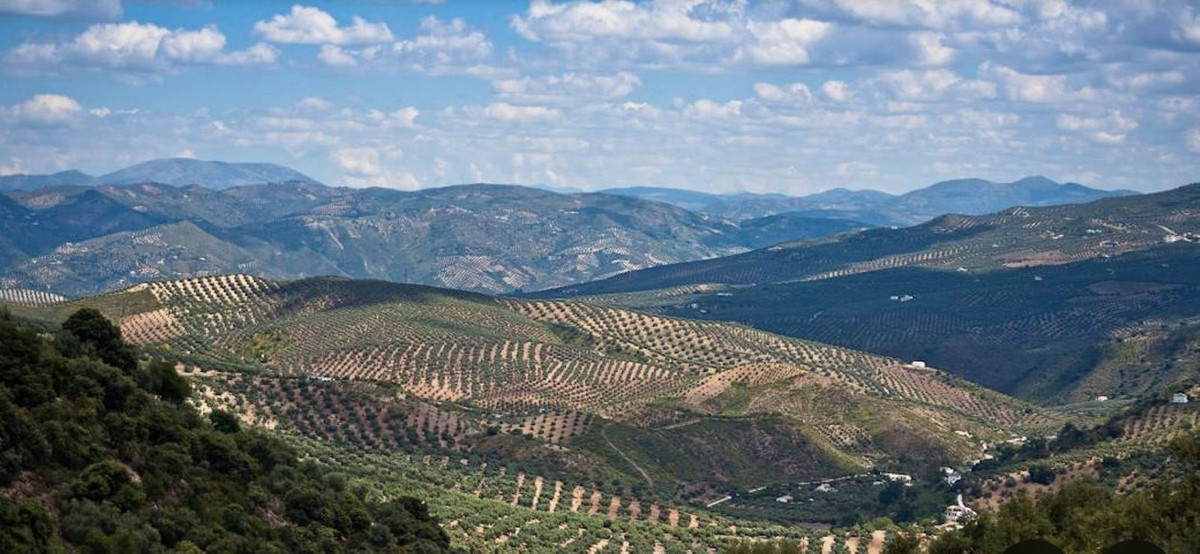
111,459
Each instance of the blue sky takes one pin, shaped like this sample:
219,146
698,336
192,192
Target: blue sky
792,96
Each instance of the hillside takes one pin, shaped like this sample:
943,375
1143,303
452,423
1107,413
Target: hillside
657,388
80,240
962,196
1028,300
548,424
103,453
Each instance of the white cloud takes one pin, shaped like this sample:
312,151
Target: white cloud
403,117
931,49
784,42
795,92
856,169
582,21
707,109
1187,26
309,25
439,48
835,91
447,42
663,33
504,111
365,166
931,14
934,84
1193,140
110,9
133,47
1036,88
336,56
45,109
567,87
1110,129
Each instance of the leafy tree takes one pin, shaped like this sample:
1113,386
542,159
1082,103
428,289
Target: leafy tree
124,464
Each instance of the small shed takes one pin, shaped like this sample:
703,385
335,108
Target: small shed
1179,398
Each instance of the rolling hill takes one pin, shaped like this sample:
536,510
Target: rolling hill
1028,300
644,379
546,424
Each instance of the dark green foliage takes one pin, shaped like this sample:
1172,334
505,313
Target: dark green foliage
101,453
224,422
1085,517
778,547
102,338
903,543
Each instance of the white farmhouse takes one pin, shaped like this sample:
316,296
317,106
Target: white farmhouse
1179,398
959,511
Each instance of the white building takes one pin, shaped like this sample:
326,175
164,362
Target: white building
959,511
825,487
918,364
1179,398
784,499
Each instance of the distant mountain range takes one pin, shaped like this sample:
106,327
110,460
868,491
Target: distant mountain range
962,196
170,171
489,238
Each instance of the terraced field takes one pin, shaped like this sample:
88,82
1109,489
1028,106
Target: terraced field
594,425
547,367
1028,301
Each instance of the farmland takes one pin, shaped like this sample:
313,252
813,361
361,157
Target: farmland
1044,303
550,406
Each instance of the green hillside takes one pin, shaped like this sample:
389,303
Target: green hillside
1031,301
102,453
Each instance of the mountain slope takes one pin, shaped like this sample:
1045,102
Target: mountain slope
32,182
1028,300
480,237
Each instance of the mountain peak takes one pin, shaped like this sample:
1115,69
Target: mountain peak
212,174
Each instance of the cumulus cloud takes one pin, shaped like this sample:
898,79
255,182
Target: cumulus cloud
309,25
929,14
45,109
134,48
1193,140
708,109
670,32
439,48
365,166
1110,129
107,9
933,85
566,88
504,111
1036,88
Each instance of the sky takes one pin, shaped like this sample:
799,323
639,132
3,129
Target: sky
789,96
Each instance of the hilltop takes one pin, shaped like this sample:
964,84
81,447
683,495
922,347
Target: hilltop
1028,300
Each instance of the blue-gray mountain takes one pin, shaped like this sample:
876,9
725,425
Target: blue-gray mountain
169,171
962,196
